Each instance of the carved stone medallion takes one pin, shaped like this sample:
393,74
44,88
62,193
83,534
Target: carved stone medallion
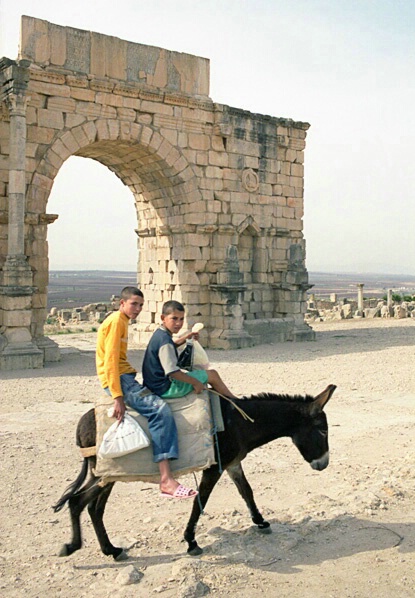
250,180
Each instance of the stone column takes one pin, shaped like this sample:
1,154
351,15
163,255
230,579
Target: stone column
17,349
295,287
15,78
360,312
389,298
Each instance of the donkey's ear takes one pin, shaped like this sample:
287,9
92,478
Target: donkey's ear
319,402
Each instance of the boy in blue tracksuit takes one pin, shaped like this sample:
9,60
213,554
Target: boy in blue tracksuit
161,374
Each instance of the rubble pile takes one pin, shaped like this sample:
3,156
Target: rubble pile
327,310
91,313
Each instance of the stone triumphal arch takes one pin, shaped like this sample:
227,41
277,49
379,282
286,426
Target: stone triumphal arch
218,190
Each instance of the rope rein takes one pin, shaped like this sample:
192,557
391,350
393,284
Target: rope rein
241,411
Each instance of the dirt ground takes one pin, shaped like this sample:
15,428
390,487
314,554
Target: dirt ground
348,531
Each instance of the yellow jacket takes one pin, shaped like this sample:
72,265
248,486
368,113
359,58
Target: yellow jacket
111,353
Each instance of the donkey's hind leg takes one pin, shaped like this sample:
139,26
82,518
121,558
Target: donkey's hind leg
237,475
77,504
96,510
209,478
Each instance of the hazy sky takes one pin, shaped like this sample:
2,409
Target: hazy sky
345,66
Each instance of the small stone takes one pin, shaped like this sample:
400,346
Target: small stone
159,589
129,575
195,589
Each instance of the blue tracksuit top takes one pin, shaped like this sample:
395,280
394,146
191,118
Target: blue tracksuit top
154,376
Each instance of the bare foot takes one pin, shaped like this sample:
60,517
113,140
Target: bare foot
169,486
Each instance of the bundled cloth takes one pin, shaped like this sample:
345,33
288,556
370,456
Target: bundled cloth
193,419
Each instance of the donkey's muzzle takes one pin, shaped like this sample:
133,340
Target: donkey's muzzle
320,464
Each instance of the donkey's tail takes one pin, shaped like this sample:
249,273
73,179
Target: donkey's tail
72,488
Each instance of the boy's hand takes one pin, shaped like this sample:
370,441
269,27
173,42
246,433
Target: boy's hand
119,408
182,339
197,386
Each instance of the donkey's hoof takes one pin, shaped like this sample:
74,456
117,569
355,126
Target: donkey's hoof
66,550
265,528
195,551
122,556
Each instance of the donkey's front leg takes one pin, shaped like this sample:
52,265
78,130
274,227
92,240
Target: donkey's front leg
209,479
237,475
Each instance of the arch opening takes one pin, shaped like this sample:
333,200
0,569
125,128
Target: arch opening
160,191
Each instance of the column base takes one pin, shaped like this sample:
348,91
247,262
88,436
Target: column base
304,333
231,339
278,330
49,348
21,356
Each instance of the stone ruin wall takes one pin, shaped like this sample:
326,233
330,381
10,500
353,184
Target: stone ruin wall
218,190
322,309
232,261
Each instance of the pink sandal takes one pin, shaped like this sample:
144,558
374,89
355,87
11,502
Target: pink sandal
181,492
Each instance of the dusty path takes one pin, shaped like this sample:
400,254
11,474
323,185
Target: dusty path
346,532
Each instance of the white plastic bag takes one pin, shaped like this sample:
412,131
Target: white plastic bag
123,438
200,358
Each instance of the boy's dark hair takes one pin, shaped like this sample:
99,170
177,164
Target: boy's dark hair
128,292
171,306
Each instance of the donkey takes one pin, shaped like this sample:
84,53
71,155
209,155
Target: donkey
274,416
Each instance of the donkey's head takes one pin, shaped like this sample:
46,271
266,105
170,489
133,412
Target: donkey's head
311,437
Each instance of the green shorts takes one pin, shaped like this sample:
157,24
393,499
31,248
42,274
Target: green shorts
181,389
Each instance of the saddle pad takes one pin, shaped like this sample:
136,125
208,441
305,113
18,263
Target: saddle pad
196,452
216,410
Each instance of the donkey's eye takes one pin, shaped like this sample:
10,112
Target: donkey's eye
323,433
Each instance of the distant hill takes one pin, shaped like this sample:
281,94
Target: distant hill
74,288
345,284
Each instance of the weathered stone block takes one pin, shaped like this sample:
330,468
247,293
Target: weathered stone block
156,108
90,131
199,141
239,146
133,103
88,109
126,114
202,158
170,134
16,318
214,172
40,134
70,141
297,170
61,150
49,89
108,56
218,159
59,104
186,253
83,95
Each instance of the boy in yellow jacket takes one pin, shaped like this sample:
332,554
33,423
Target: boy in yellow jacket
117,378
